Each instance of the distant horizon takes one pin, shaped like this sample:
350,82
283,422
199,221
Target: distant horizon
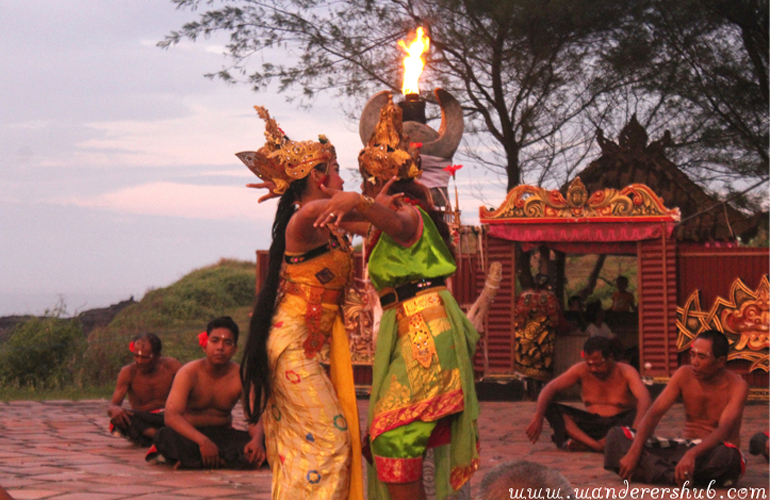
34,303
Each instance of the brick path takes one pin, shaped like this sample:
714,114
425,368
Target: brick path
61,450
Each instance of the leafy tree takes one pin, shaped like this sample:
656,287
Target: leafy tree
520,68
535,78
42,352
700,68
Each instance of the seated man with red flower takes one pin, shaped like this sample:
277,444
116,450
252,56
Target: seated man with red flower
199,431
147,382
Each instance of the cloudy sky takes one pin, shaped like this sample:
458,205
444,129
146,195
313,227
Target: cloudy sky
117,166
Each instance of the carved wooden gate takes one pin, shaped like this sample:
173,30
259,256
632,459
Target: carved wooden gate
632,220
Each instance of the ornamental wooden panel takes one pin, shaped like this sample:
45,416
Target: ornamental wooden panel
657,307
712,272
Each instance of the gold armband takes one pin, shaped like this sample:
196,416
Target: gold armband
364,203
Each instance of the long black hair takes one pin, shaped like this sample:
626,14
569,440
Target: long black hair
255,372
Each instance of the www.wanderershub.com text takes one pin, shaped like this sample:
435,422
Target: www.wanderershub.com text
684,492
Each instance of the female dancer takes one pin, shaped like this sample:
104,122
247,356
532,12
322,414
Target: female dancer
311,423
423,393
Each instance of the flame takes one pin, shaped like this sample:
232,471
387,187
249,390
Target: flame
413,63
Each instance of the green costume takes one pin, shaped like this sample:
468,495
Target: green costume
423,393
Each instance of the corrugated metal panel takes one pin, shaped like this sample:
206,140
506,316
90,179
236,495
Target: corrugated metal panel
657,306
500,320
713,271
465,282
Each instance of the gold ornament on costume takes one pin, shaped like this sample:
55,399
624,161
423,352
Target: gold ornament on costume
283,161
389,152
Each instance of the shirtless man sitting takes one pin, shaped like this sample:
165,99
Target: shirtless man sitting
199,430
713,398
612,392
147,383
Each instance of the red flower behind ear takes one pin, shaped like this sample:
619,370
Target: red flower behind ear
203,339
131,346
583,354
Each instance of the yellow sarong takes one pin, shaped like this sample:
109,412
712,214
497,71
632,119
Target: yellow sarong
311,421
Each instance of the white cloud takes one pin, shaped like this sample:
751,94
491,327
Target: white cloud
211,132
183,200
31,125
193,140
216,49
240,172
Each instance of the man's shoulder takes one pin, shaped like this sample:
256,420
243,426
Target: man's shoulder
578,372
233,371
737,383
683,372
580,368
127,372
681,377
199,365
628,371
684,376
191,367
169,363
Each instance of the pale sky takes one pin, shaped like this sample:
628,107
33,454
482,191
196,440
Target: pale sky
117,166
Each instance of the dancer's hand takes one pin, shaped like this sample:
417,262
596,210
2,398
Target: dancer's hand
269,185
340,204
389,200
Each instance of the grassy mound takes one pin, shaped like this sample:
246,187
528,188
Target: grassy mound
176,314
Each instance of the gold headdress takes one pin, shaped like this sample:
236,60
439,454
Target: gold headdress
389,152
282,160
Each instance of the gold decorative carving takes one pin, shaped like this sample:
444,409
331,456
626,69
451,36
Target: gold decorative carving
743,318
532,202
358,316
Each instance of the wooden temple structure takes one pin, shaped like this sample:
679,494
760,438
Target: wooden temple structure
692,274
673,276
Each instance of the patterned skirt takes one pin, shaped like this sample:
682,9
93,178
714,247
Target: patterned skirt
306,433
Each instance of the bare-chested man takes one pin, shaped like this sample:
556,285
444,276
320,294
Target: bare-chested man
199,430
713,398
147,383
612,392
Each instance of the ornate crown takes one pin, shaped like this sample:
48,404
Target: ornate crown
282,160
389,152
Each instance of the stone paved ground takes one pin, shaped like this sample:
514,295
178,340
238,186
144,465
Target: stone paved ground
61,450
